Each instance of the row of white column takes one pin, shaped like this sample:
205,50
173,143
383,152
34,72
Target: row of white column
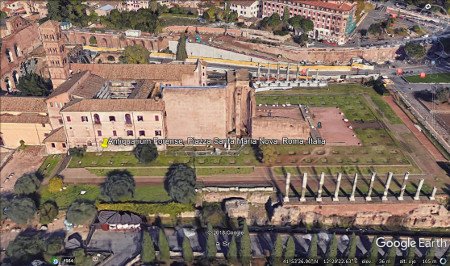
352,196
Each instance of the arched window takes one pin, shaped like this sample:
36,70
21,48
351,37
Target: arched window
111,58
83,40
15,76
9,55
96,119
105,42
127,119
8,84
17,50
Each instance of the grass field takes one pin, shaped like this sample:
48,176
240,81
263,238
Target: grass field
143,193
430,78
161,171
49,164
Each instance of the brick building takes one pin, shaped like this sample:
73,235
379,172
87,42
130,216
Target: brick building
18,42
333,20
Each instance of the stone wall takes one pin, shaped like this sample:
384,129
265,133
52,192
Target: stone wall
326,55
279,127
408,214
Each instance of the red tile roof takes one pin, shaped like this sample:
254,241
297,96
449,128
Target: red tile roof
23,104
329,5
114,105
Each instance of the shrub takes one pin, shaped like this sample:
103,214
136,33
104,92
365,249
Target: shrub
118,186
21,210
173,209
47,212
55,184
81,212
145,153
180,183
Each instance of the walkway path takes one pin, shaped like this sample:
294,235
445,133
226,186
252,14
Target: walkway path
418,134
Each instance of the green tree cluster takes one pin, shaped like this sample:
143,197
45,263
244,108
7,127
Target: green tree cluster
180,183
136,54
188,255
21,210
32,84
232,255
214,13
164,248
27,184
81,212
118,186
143,19
312,251
270,23
48,212
415,50
211,247
301,25
332,249
73,11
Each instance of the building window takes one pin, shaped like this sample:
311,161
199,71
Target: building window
96,119
129,132
99,133
51,104
157,132
127,119
156,117
68,119
53,145
84,119
60,121
141,133
112,118
64,145
114,133
140,118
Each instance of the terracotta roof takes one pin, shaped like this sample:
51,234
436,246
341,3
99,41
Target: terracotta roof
23,104
88,86
243,2
56,135
114,105
159,72
329,5
24,118
49,24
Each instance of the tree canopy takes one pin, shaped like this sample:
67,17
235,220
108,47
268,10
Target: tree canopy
289,254
118,186
232,251
415,50
81,212
21,210
332,248
211,247
271,22
27,184
32,84
135,54
48,212
146,153
277,252
55,184
73,11
25,248
301,24
312,251
143,19
180,183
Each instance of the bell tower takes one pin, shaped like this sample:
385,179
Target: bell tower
55,52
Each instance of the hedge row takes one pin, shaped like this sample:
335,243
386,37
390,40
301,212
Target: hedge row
173,209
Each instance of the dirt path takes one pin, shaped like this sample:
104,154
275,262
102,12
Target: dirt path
418,134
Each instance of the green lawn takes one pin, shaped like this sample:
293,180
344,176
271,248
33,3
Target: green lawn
143,193
430,78
161,171
127,160
49,164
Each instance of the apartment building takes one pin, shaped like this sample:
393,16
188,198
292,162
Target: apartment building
247,9
133,5
333,20
88,122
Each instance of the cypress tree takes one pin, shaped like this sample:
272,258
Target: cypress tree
373,252
351,251
332,248
410,255
211,247
431,252
188,255
181,48
289,254
232,251
312,252
148,254
164,248
246,248
277,252
391,255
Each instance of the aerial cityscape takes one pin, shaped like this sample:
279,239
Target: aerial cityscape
222,132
